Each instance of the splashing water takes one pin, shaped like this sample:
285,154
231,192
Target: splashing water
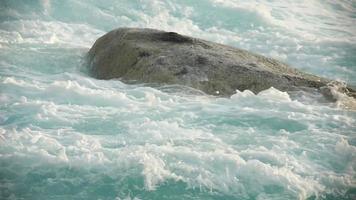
65,135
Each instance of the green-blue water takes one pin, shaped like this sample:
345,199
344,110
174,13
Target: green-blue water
65,135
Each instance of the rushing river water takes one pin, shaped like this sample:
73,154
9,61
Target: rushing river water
65,135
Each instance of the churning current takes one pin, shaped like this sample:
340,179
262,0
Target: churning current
66,135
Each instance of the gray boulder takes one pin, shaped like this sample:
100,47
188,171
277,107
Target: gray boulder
153,56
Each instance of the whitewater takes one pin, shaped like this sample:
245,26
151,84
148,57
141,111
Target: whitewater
66,135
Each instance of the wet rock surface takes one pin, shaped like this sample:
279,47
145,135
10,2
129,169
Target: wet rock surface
154,56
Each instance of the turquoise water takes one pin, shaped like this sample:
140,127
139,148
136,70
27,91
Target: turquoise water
65,135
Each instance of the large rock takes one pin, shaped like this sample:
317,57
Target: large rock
153,56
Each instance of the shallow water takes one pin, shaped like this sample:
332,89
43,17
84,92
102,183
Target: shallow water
65,135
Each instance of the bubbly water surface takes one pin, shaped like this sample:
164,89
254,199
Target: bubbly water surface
65,135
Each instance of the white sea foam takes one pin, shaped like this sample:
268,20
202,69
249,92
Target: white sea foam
299,17
44,32
60,128
170,148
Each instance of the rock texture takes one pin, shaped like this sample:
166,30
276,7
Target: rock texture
153,56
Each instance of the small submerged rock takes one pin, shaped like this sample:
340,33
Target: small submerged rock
154,56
